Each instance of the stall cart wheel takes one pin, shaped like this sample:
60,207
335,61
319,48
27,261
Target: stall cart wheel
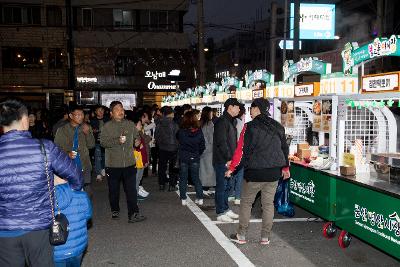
328,230
344,239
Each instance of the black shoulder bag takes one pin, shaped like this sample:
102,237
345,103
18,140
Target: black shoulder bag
58,232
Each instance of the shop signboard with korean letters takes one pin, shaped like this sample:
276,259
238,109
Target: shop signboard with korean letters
378,83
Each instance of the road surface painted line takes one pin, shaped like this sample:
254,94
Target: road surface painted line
275,220
225,243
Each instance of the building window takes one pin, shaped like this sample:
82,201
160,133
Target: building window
57,58
87,17
158,20
22,57
123,19
124,66
54,16
20,15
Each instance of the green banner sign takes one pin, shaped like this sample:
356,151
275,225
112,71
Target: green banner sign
305,65
258,75
353,55
230,81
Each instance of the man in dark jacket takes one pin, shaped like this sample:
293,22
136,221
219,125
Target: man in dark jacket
97,124
225,139
264,155
165,136
25,210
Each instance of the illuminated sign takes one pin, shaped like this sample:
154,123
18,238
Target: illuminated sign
376,83
353,55
317,21
304,90
339,84
86,79
154,86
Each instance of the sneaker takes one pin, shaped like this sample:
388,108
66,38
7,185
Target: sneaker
224,218
232,215
99,178
237,201
141,198
103,172
184,202
235,238
115,215
143,192
136,217
264,241
199,202
230,199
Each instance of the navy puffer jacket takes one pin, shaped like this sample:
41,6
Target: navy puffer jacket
191,144
24,195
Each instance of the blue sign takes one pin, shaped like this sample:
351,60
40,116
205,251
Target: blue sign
317,21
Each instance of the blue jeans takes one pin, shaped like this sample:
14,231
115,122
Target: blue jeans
70,262
194,168
222,189
237,181
98,159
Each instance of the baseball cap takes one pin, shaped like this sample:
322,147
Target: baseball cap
232,102
262,104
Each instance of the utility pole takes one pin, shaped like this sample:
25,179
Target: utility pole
296,52
272,41
70,46
200,34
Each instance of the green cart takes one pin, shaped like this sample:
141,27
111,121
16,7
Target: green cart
361,206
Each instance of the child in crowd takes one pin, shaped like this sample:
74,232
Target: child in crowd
141,159
76,206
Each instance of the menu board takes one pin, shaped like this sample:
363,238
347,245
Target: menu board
317,107
284,113
326,116
290,114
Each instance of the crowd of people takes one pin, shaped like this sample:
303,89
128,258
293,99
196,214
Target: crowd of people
181,145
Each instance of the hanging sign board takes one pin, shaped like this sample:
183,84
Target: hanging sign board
353,55
339,84
305,65
380,82
306,90
258,94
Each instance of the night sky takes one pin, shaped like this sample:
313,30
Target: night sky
231,13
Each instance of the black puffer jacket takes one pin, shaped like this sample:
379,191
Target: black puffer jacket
165,134
265,144
225,139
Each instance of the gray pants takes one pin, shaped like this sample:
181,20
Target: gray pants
139,176
33,247
249,193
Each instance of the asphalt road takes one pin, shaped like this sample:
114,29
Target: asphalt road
173,236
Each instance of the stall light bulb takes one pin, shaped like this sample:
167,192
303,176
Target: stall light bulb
41,61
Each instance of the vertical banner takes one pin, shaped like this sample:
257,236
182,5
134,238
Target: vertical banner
326,115
317,106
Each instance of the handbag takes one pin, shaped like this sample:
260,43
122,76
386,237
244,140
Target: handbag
138,159
281,199
58,232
